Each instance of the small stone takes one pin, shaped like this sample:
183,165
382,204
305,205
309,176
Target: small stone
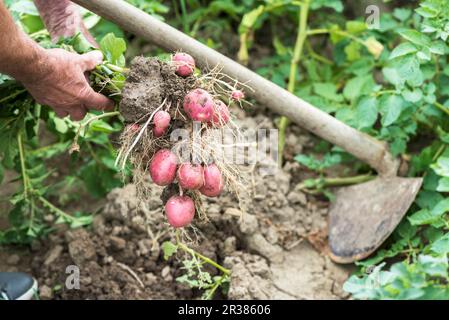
234,212
53,255
165,272
117,230
145,246
13,260
297,197
272,235
249,224
150,279
117,243
259,244
229,245
45,293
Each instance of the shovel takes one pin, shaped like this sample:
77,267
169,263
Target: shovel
363,215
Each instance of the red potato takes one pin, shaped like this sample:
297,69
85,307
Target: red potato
199,105
163,167
213,181
185,64
180,211
190,176
237,95
161,123
221,114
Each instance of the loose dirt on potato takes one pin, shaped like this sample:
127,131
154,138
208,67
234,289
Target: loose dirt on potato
149,81
276,250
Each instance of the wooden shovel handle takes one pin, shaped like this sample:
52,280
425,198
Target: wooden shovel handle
369,150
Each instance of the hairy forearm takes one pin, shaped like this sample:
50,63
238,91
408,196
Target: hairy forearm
59,16
18,50
62,19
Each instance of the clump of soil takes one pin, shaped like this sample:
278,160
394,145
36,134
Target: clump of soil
148,83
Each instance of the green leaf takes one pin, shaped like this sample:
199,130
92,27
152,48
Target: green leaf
367,112
438,47
422,217
434,266
441,208
337,5
427,12
113,48
358,86
355,27
169,249
441,167
402,13
352,51
416,37
412,95
328,91
250,19
441,245
443,185
394,108
402,50
60,125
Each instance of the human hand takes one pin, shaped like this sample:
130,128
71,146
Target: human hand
58,80
63,19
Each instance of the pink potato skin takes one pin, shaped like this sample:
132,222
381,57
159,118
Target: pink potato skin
180,211
199,105
190,176
185,64
163,167
161,122
221,113
237,95
213,181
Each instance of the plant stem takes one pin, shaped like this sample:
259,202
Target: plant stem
12,96
204,258
441,107
297,52
55,209
22,164
316,56
185,26
215,287
115,68
86,124
338,32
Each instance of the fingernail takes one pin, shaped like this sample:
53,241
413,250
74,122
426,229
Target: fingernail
97,55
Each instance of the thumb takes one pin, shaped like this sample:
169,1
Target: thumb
91,59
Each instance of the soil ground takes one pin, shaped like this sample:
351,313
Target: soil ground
277,250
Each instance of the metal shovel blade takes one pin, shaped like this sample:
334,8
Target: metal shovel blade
364,215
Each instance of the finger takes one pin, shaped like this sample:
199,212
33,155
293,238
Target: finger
91,59
97,101
61,113
78,113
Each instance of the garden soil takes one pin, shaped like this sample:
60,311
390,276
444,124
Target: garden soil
276,249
